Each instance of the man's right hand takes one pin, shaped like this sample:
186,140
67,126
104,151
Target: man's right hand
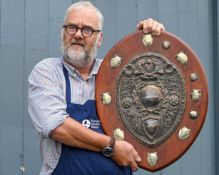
74,134
126,155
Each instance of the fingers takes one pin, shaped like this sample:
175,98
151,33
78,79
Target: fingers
133,166
126,155
151,26
160,28
136,159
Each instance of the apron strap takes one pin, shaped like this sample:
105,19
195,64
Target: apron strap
67,83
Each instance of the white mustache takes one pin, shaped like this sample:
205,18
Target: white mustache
77,43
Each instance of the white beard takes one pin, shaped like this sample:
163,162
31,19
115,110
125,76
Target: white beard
79,58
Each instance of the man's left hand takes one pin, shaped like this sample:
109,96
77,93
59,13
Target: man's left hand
151,26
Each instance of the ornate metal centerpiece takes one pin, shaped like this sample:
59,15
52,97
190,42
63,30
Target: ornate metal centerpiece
150,98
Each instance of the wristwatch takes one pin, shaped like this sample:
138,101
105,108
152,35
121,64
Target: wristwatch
109,150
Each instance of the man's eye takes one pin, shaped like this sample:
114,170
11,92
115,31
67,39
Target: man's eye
86,29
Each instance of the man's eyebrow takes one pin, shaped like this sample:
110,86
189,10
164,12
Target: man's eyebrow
85,25
72,24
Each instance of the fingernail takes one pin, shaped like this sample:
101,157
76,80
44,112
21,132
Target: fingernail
138,159
135,169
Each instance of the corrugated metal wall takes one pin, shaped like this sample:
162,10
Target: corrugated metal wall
30,31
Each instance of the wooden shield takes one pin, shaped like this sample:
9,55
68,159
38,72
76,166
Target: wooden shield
154,90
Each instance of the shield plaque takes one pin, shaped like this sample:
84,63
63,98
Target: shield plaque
152,92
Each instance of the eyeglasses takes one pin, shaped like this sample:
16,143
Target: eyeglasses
85,31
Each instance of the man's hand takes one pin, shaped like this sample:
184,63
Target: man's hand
151,26
126,155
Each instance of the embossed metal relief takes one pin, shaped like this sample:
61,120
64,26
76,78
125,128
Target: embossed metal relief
115,61
166,45
147,39
182,58
118,134
106,98
152,158
184,133
150,98
196,94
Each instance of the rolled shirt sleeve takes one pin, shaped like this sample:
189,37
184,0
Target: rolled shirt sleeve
46,96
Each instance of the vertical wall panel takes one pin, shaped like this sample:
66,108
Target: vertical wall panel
36,24
56,14
215,34
188,16
108,9
11,107
32,161
126,17
11,92
12,30
187,30
205,51
147,9
36,48
0,22
168,15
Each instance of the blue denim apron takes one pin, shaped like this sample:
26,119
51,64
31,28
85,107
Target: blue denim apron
75,161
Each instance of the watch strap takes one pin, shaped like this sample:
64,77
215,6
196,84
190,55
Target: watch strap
112,142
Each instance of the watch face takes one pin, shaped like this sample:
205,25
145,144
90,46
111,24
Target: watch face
108,151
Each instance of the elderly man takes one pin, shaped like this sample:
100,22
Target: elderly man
62,105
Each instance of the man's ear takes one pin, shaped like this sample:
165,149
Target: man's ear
99,39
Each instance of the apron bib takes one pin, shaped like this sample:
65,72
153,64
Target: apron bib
75,161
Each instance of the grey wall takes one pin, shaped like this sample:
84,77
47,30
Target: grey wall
30,31
216,75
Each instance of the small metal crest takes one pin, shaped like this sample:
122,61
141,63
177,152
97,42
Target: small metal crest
182,58
166,45
147,40
152,158
115,61
106,98
118,134
184,133
196,94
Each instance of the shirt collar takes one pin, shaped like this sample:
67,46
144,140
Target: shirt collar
74,72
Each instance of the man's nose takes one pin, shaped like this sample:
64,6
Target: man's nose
78,34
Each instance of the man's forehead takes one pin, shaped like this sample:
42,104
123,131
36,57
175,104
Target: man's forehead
85,14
